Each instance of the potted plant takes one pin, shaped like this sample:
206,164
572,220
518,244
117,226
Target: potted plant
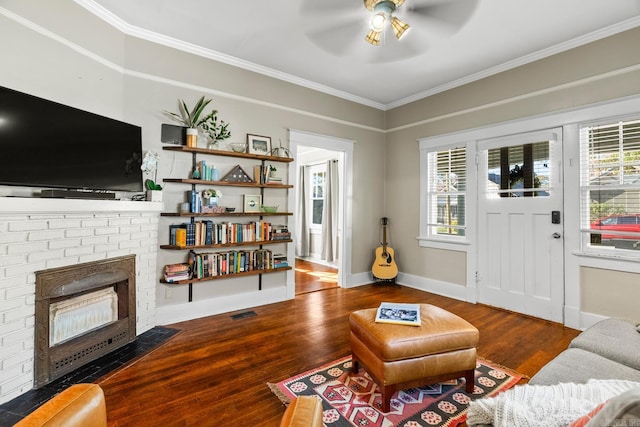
210,197
149,165
194,118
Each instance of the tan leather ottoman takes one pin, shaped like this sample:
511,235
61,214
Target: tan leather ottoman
398,357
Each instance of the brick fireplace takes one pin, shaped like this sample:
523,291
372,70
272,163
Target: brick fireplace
42,234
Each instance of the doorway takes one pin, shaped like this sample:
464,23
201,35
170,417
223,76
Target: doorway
520,230
322,173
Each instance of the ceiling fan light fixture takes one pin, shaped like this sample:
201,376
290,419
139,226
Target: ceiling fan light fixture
378,21
400,28
373,37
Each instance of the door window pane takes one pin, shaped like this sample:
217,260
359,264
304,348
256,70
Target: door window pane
519,171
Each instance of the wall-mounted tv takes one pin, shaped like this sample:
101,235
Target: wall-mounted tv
47,144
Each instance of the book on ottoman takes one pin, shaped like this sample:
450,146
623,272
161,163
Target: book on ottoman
398,313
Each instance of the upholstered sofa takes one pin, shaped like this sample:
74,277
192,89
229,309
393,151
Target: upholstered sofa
608,350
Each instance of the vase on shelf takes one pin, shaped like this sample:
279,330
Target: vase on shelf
154,195
192,137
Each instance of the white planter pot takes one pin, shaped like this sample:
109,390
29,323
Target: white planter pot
154,195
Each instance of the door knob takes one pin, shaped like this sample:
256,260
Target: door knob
556,235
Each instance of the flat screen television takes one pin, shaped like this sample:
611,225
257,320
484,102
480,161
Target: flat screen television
51,145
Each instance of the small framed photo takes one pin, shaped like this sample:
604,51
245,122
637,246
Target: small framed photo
252,203
257,144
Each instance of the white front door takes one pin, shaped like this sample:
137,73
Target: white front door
520,225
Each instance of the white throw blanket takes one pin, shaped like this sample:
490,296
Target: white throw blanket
544,406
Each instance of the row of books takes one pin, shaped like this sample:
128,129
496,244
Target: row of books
208,172
204,233
231,262
177,272
261,175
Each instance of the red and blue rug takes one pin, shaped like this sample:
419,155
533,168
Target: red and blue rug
354,399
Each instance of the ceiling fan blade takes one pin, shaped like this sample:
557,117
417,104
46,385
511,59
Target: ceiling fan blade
446,15
338,38
332,7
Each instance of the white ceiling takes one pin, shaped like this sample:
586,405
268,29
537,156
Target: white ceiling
320,43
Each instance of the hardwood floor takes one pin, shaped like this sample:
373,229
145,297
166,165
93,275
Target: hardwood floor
214,371
311,277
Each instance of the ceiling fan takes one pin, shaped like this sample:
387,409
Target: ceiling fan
382,15
338,26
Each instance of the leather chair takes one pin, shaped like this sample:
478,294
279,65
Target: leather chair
81,405
303,411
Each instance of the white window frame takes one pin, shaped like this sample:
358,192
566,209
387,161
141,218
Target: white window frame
315,169
426,237
598,251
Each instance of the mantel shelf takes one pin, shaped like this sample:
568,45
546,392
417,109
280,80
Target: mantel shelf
226,276
225,183
185,149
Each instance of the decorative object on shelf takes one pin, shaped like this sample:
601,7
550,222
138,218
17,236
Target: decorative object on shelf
252,203
193,119
280,151
150,165
210,197
237,174
238,147
268,209
258,144
230,209
196,173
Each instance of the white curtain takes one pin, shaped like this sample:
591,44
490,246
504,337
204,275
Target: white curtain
330,213
302,228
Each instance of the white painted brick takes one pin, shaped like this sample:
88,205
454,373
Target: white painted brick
13,383
92,257
26,247
106,231
55,263
117,222
8,351
71,252
129,244
79,232
140,221
9,327
20,291
44,256
12,260
139,236
95,240
95,222
35,236
18,313
128,229
119,252
28,225
118,238
7,237
23,269
17,337
64,243
106,248
18,359
64,223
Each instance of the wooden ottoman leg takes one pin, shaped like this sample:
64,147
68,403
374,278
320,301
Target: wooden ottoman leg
470,379
387,391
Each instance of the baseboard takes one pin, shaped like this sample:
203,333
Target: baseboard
166,315
444,289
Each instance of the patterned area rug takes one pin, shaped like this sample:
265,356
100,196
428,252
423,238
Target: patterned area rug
353,400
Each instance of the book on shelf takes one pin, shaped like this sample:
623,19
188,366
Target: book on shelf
398,313
176,272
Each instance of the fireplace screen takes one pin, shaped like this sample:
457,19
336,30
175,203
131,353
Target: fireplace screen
75,316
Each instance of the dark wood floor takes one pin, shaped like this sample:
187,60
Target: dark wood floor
214,371
311,277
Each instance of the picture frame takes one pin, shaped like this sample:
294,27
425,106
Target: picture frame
252,203
258,144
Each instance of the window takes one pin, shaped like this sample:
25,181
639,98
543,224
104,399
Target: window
610,186
318,176
446,192
514,170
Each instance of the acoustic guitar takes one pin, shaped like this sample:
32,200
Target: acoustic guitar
384,267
